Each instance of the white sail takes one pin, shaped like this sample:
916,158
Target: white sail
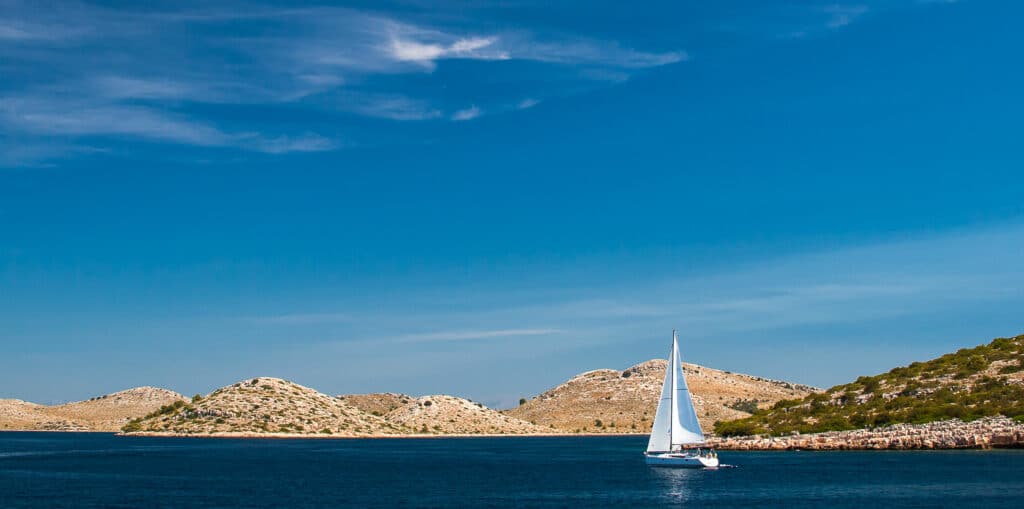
675,422
686,416
661,431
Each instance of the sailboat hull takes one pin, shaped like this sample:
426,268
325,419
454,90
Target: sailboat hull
680,460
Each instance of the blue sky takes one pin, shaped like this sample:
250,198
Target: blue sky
485,199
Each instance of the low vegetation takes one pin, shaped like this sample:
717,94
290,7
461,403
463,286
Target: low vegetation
968,384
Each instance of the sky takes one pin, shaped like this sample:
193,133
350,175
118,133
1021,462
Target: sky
487,198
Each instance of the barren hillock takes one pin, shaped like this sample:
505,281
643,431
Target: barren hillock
264,406
103,413
377,403
442,414
18,414
611,401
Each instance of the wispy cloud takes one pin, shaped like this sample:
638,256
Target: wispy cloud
23,32
389,106
308,142
591,52
860,308
527,103
121,87
856,285
29,153
60,117
304,318
13,29
89,71
154,64
54,116
842,15
467,114
809,19
478,48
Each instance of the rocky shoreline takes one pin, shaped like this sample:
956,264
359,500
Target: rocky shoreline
987,433
983,433
367,436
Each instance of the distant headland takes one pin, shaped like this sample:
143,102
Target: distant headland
971,398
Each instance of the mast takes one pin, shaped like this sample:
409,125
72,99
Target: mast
675,422
671,407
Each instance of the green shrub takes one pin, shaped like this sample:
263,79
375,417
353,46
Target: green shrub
166,409
745,405
739,427
1011,368
869,384
785,403
976,363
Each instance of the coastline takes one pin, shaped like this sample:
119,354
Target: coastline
12,430
985,433
286,436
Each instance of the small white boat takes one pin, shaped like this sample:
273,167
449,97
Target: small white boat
676,437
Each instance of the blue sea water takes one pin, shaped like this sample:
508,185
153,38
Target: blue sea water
101,470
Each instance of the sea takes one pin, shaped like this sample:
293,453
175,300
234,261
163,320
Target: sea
102,470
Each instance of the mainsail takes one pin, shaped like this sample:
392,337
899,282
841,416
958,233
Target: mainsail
675,422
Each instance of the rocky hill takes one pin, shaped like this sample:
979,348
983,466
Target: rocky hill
450,415
16,414
610,401
103,413
441,414
264,406
972,383
378,403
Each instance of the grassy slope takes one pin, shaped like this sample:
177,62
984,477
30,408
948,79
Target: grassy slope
969,384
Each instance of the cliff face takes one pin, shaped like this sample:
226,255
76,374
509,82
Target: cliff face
611,401
265,406
104,413
951,434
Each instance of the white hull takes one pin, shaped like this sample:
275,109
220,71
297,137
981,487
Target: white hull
680,460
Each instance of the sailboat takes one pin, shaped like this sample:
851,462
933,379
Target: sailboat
676,437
